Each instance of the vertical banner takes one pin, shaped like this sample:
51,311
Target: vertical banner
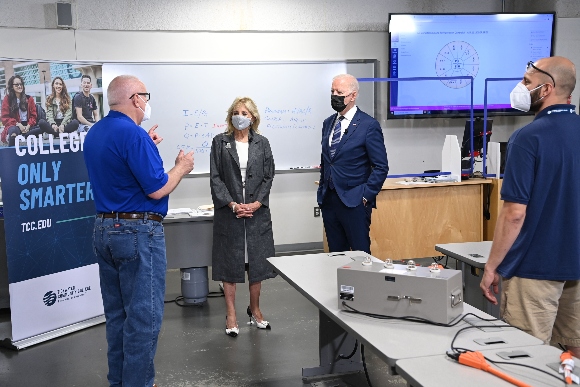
48,218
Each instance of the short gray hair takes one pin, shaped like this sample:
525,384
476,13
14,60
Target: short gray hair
351,81
121,88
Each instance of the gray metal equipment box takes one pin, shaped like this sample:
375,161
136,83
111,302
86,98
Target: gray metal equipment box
400,292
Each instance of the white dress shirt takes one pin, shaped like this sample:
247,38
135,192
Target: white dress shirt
242,149
343,124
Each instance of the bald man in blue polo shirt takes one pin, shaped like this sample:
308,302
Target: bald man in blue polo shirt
536,245
131,192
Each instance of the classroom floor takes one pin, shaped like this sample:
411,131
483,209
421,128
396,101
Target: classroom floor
193,349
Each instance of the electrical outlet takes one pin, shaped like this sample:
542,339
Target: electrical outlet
316,212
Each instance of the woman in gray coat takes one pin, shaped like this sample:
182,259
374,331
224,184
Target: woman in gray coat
241,174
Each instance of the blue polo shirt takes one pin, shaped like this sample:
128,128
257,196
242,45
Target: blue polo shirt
543,172
124,166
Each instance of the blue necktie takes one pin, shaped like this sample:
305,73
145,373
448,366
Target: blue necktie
334,144
335,136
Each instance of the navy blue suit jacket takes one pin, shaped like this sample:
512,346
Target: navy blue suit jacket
360,166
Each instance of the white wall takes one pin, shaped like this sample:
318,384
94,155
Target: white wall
253,15
412,146
563,8
230,15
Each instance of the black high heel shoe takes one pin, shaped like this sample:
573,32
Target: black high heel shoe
253,320
232,332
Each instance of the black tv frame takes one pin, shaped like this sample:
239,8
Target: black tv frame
461,113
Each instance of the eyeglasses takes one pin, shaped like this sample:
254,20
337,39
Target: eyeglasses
531,64
17,84
146,95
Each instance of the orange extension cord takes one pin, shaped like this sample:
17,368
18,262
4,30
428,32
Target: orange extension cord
476,360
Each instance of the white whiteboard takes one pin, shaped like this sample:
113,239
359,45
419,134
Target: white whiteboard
190,102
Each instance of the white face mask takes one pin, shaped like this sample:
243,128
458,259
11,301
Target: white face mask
147,111
521,97
241,122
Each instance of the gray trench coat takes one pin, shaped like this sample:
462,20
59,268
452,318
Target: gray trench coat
228,256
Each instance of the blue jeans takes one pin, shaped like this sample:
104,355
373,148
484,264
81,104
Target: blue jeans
132,264
14,131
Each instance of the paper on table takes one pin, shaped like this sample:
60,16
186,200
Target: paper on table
413,182
200,211
205,210
174,211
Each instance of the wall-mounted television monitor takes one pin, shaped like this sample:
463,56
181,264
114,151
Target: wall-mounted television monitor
449,45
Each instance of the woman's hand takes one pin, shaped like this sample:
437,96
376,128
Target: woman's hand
25,129
247,210
253,207
241,210
21,127
61,129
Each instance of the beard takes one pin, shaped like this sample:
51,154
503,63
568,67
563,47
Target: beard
536,104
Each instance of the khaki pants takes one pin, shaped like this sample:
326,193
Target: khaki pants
548,310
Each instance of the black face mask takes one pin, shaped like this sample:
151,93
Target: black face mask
337,102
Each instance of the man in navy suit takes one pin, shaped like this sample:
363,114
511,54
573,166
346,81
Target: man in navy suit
353,169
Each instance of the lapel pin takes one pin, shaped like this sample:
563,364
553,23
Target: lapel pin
228,146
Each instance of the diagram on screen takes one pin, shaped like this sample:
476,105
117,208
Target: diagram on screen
457,59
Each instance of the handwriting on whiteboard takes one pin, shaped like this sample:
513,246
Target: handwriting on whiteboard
199,126
294,118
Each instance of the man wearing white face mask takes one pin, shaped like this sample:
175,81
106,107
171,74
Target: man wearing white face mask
536,248
131,191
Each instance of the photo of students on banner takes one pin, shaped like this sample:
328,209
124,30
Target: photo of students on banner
47,198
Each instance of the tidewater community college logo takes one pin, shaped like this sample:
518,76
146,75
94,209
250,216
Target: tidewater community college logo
49,298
